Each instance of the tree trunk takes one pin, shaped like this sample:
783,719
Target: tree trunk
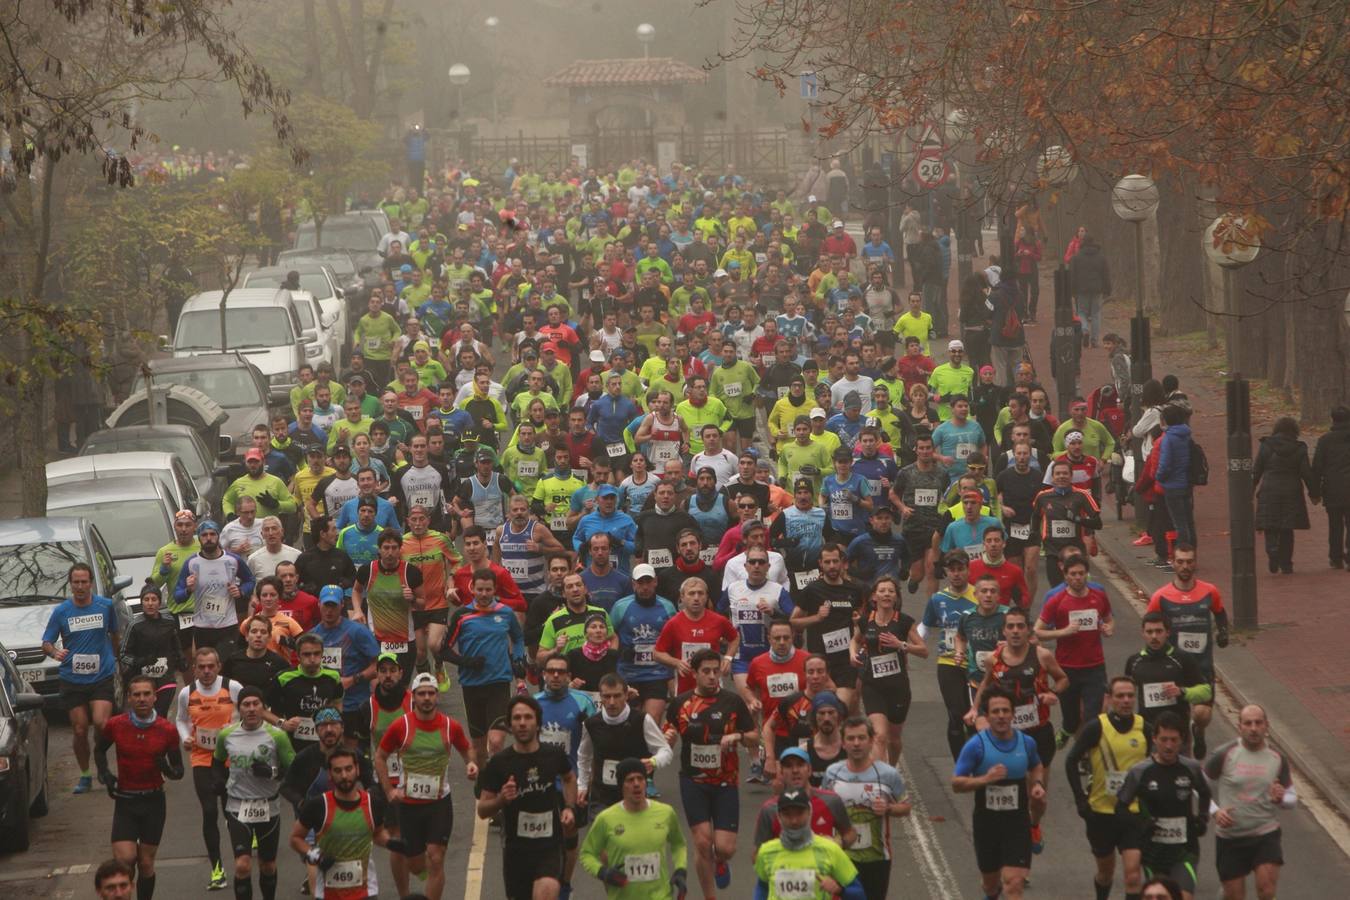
1181,268
313,53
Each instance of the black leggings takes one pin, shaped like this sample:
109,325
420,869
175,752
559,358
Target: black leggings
876,875
203,782
242,834
956,697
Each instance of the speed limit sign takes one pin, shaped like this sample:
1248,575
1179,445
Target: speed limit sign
931,170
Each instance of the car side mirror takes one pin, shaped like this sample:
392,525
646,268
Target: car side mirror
225,446
162,341
341,294
28,702
121,583
328,318
308,335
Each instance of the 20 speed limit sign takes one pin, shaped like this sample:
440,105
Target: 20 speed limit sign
931,170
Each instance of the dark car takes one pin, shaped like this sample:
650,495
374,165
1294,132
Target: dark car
229,380
210,476
23,757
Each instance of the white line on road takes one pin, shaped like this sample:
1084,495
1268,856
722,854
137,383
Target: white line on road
473,876
937,872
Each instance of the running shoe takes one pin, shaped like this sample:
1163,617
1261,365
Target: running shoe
255,840
304,886
914,587
756,775
1061,738
217,882
1142,541
652,792
442,680
84,785
723,874
565,892
1037,839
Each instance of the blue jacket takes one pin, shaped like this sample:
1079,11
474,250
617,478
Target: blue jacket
1174,459
385,517
620,526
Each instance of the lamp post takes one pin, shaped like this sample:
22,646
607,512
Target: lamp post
459,76
646,33
492,23
1231,243
1056,168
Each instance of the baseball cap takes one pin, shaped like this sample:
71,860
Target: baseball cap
342,450
827,698
367,503
720,273
852,400
314,450
422,345
483,454
955,345
386,656
793,799
330,593
838,223
423,680
597,356
607,490
405,268
643,570
794,753
549,347
253,453
818,413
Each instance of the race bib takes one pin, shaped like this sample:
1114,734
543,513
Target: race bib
305,731
963,451
395,767
373,344
1085,619
660,559
252,812
925,496
705,756
206,738
534,825
1062,530
666,451
616,449
558,521
687,651
732,389
349,873
609,772
415,412
84,664
156,668
746,612
949,637
642,866
795,884
766,359
982,658
782,392
708,555
1000,798
1192,641
805,578
393,646
185,621
974,551
214,606
421,787
492,537
864,841
642,654
1020,532
1026,717
781,684
527,468
1154,696
1169,830
885,665
1114,782
836,641
332,658
516,568
841,509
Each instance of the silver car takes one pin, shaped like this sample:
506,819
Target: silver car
167,467
35,557
134,511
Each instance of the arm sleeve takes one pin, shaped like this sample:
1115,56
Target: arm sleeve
662,752
584,755
1087,739
182,722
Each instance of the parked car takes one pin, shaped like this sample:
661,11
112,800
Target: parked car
167,468
319,279
35,558
210,476
351,231
229,379
134,511
260,323
23,757
357,271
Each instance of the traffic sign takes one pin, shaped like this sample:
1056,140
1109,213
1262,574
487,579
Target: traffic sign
931,169
810,85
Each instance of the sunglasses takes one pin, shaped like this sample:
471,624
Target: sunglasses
756,562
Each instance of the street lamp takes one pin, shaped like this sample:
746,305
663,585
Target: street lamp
1135,199
1055,169
646,33
492,23
1232,241
459,76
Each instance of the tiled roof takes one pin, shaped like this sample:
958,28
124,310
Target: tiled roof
618,72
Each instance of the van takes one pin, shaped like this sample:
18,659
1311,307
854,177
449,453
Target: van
260,323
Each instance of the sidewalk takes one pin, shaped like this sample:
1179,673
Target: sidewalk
1297,664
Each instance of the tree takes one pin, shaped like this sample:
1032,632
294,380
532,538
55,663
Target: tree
341,152
72,75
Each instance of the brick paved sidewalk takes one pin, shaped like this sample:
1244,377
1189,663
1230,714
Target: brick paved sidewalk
1298,662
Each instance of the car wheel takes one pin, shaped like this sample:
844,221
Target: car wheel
38,808
15,837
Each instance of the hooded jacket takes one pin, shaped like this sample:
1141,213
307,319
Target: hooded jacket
1174,459
1331,465
1088,272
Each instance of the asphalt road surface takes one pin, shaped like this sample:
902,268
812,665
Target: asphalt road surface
932,851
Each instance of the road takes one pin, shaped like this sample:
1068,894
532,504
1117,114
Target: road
933,855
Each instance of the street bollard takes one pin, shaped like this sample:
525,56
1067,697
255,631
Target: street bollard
1066,344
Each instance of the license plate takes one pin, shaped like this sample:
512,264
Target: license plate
32,677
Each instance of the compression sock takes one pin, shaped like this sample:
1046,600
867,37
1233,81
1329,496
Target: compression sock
243,888
268,885
1103,890
145,887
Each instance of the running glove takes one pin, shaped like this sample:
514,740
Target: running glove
612,876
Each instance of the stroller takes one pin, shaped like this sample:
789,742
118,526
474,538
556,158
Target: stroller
1104,405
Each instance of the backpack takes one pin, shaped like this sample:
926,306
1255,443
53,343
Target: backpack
1011,324
1197,473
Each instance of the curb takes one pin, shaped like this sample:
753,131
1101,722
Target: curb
1309,768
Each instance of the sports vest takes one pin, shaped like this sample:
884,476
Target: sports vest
525,566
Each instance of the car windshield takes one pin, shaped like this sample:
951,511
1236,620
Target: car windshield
356,233
304,311
38,570
245,328
314,282
181,444
341,263
133,527
231,388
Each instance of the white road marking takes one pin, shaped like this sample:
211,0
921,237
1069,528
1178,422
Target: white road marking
473,876
937,872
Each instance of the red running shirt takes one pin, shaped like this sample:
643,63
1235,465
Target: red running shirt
138,749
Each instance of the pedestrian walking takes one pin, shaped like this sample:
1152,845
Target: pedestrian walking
1280,476
1090,282
1331,472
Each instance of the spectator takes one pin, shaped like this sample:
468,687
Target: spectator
1331,471
1090,280
1281,473
1174,473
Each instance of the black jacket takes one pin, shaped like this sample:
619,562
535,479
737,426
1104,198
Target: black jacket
974,314
1088,272
1281,472
1331,466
